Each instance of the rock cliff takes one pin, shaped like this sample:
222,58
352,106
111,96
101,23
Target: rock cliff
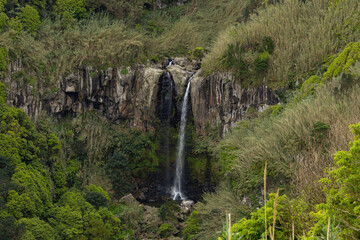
218,100
130,94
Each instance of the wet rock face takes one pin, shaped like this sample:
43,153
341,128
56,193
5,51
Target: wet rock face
218,100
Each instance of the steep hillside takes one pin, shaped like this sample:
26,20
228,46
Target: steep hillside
92,119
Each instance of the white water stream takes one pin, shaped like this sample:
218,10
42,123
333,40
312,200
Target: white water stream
177,192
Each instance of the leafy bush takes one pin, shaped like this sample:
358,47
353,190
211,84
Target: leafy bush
124,71
197,53
253,228
38,229
344,61
3,60
191,226
342,188
96,196
166,230
70,10
96,199
268,45
261,63
118,171
320,131
308,87
10,229
3,20
30,19
168,211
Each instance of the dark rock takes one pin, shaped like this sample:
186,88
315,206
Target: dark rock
218,100
187,206
131,95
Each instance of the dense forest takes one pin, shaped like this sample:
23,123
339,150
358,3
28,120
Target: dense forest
89,128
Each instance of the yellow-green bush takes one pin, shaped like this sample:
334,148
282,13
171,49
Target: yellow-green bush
344,61
30,19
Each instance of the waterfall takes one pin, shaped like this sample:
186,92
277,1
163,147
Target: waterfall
177,187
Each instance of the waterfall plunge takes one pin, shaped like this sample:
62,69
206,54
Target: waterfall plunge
177,187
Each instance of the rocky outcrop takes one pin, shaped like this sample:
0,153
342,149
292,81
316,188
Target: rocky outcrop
123,94
162,4
131,94
219,101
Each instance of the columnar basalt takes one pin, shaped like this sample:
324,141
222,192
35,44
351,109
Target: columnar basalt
220,101
130,94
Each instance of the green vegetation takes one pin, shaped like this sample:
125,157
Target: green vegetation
3,60
297,142
302,33
61,178
166,230
108,33
35,202
197,53
30,19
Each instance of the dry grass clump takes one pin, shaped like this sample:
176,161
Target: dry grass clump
303,33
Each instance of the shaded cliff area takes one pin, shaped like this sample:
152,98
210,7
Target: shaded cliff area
148,98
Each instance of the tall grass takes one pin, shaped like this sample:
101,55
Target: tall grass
104,41
303,33
213,208
287,144
295,156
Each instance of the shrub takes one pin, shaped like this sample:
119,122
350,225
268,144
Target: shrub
70,10
3,20
197,53
118,171
3,60
166,230
15,24
342,188
168,211
344,61
93,188
276,110
308,88
30,19
10,229
96,199
191,226
38,229
261,63
320,131
253,228
2,5
268,45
